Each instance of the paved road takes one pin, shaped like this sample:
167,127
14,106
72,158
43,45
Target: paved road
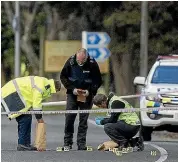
165,151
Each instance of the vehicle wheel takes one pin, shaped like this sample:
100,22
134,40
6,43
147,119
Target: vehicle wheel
146,133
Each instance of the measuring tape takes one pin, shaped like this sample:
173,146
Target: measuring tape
92,111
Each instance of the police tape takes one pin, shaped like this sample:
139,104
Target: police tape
150,94
127,110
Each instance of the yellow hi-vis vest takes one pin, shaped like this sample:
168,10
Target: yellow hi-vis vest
31,90
129,118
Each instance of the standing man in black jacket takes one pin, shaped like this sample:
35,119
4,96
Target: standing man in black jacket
81,77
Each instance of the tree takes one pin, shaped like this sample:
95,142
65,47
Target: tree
7,49
65,20
123,26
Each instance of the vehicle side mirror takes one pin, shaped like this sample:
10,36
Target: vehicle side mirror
139,80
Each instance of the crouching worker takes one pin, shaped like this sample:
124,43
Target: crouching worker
121,126
22,94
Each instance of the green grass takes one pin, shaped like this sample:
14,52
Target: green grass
53,108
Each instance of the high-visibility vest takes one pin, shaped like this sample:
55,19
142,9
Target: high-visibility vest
129,118
31,90
150,103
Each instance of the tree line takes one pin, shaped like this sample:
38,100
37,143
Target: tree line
66,20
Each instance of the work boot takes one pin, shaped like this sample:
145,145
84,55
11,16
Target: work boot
140,144
132,142
23,148
82,147
123,145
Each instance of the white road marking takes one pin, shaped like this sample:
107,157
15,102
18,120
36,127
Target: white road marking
163,152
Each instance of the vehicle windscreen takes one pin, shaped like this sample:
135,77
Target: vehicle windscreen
165,74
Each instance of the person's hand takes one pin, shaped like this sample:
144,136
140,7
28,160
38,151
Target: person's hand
40,149
40,120
85,93
77,91
98,121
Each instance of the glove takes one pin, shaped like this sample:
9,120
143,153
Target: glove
75,91
85,93
98,120
78,91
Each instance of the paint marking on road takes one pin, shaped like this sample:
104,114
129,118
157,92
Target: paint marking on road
163,152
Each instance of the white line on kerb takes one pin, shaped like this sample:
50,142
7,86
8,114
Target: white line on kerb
163,152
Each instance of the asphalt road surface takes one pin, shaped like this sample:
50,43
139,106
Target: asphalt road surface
161,149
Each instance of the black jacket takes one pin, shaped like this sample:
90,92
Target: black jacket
91,69
114,116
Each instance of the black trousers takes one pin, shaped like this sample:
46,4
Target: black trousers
120,132
73,104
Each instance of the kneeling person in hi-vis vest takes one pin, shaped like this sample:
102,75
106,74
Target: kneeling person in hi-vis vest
121,126
22,94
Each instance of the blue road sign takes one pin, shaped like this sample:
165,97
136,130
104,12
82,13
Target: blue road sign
100,54
98,38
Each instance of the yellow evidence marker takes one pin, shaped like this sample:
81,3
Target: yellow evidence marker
118,153
114,150
89,148
60,149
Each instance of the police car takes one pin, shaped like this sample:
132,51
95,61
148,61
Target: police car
162,77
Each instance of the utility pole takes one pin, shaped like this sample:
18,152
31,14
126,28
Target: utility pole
16,25
144,39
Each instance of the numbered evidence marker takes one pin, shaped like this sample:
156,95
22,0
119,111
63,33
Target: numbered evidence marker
116,151
130,149
153,153
127,150
60,149
89,148
124,150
